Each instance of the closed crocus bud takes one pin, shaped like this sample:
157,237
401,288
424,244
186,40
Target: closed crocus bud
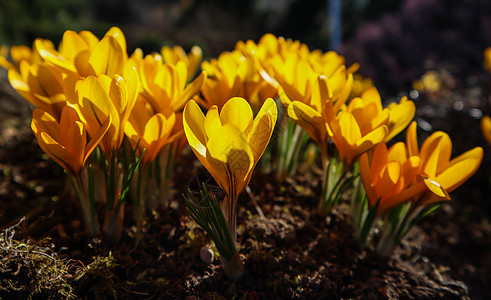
229,144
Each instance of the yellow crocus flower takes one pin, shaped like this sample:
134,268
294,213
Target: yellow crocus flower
150,131
229,144
103,97
82,54
438,174
234,74
390,172
18,54
368,111
165,86
486,127
65,141
357,129
41,85
441,175
175,54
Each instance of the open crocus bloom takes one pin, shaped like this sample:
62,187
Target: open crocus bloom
229,143
368,111
66,141
437,175
441,175
389,173
309,113
352,132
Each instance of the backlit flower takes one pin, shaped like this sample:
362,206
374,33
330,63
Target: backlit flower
358,128
441,175
234,74
175,54
389,172
150,131
165,85
66,141
229,143
103,97
83,54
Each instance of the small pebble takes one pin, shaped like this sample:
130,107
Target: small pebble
206,255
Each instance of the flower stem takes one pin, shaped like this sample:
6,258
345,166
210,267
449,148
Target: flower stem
229,208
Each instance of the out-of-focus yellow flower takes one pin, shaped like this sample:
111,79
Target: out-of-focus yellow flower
150,131
360,85
19,54
165,85
175,54
103,97
66,141
41,85
487,59
486,128
308,112
234,74
429,82
390,172
229,143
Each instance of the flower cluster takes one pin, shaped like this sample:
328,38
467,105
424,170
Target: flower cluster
103,114
91,88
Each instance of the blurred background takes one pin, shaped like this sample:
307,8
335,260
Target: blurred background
393,40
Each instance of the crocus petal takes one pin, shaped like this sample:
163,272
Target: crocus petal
96,138
380,158
107,57
212,121
116,33
461,168
390,177
436,188
430,152
368,180
309,119
96,105
400,116
230,159
191,89
405,195
47,123
372,138
72,44
194,128
73,135
53,57
238,112
412,139
262,128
